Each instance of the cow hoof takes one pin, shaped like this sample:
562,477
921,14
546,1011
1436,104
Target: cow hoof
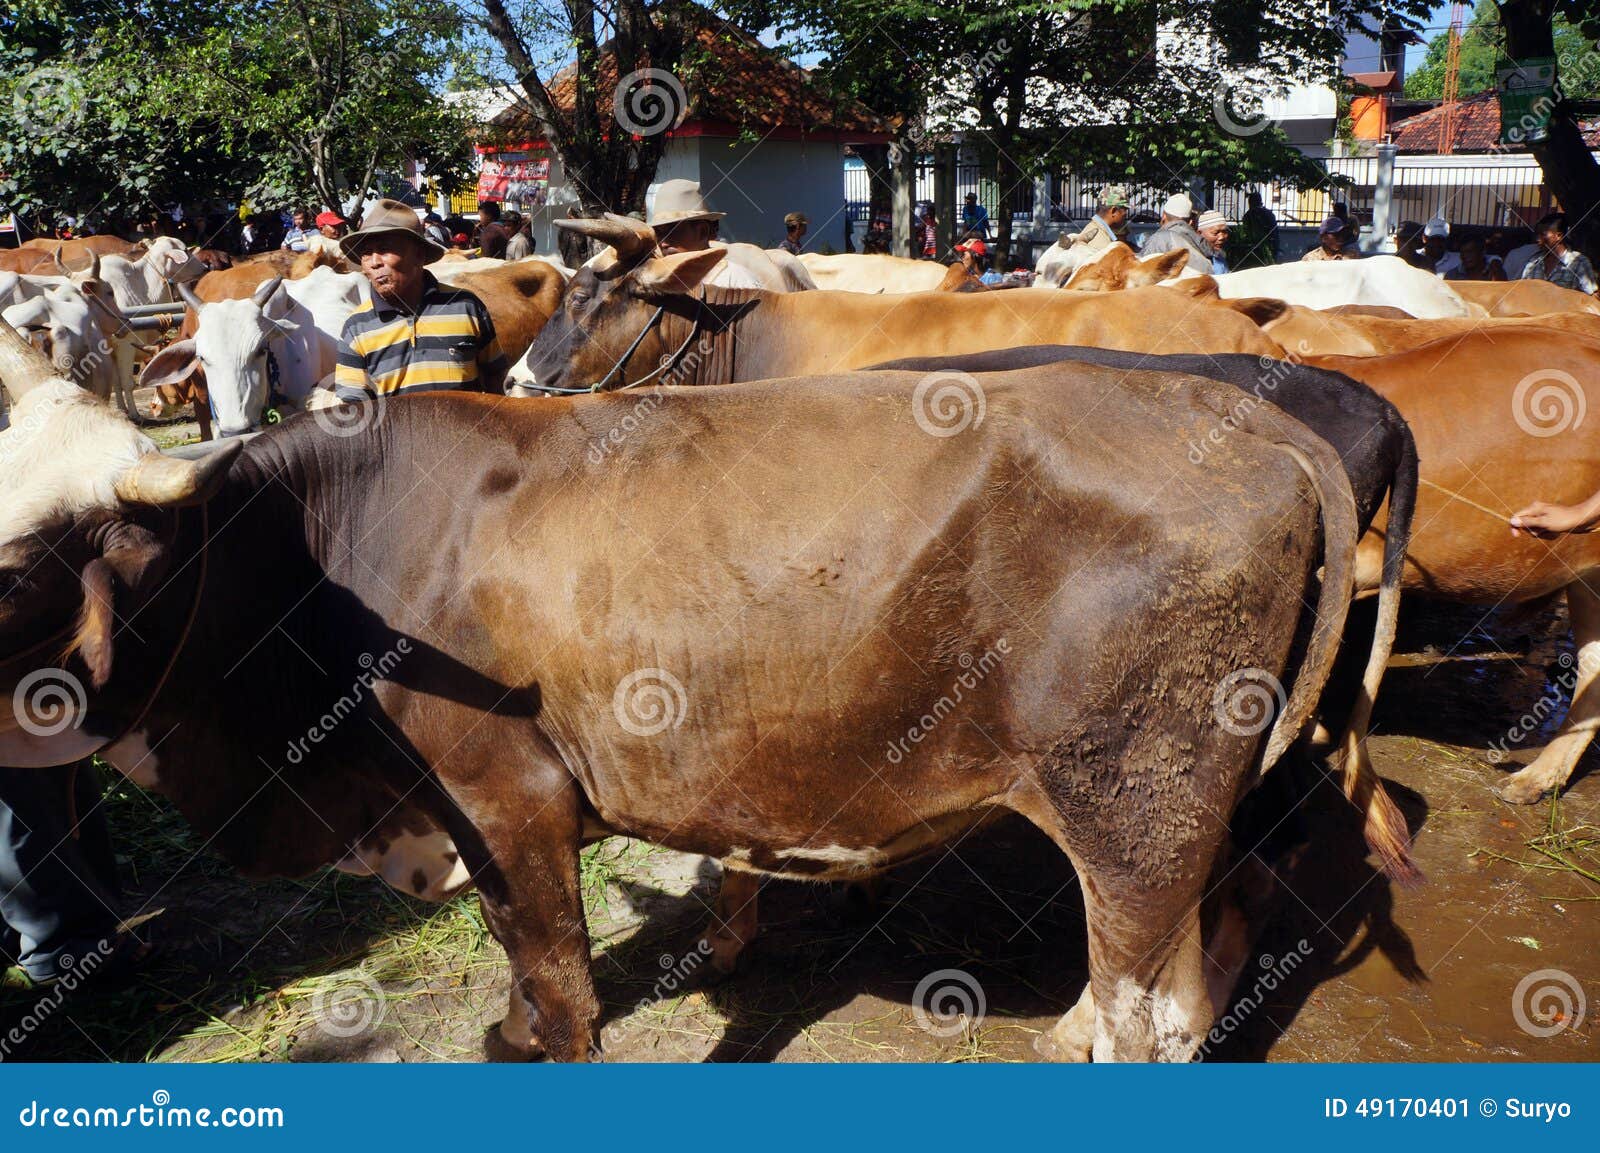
1521,789
498,1049
1052,1047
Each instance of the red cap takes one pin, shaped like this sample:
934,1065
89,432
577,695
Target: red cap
976,247
326,218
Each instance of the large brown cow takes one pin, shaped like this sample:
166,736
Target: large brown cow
793,625
647,318
1500,420
1524,297
1325,333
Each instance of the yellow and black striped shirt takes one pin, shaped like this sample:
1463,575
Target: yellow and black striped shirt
449,342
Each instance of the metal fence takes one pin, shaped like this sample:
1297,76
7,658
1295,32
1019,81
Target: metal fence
1482,191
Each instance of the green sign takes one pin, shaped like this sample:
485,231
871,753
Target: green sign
1527,99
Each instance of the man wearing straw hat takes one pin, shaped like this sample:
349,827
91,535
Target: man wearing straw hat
683,221
414,334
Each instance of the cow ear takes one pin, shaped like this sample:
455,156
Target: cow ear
1199,287
173,363
1264,310
675,275
140,562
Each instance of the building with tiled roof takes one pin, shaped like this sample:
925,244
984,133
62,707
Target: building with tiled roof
757,131
1477,128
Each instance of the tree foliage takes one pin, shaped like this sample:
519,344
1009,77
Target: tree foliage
1483,43
121,106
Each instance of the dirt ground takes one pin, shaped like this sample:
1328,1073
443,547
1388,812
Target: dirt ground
1347,967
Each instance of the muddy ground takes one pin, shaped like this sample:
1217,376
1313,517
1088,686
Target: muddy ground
338,968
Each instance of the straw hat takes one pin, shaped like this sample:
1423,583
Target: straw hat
389,216
679,200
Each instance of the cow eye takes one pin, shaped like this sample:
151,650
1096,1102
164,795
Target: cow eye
579,297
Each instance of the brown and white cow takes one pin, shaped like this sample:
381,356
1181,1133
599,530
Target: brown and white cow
796,571
693,334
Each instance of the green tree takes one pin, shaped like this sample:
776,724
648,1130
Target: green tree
1482,45
1102,84
121,106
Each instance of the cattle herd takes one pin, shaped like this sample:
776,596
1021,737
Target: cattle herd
918,555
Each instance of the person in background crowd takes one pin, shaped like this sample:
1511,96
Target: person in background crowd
58,877
975,259
849,229
1513,251
1436,255
520,246
974,219
1106,227
492,234
1177,232
1258,233
433,227
249,240
794,228
1331,242
1475,263
1214,230
380,359
332,225
1408,244
297,238
879,237
1557,262
927,233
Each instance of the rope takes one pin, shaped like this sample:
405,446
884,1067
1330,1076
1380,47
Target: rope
1464,500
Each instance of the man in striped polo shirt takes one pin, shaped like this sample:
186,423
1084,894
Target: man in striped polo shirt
414,334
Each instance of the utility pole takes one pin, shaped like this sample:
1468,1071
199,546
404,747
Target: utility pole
1452,80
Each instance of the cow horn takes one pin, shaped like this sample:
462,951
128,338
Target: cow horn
630,237
55,255
268,287
94,266
187,292
167,482
22,366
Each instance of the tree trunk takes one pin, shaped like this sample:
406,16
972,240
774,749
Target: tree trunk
1569,169
905,187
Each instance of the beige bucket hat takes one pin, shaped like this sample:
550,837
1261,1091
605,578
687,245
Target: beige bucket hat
679,200
389,216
